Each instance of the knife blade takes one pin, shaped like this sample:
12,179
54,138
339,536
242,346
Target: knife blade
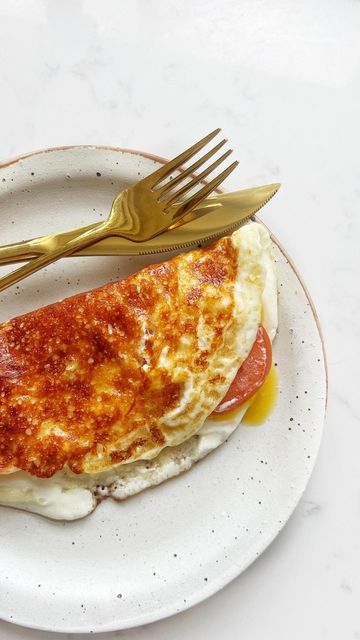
216,216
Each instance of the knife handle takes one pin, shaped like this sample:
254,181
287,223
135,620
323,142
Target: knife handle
56,251
23,251
18,252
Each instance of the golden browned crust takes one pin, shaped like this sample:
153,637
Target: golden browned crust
82,382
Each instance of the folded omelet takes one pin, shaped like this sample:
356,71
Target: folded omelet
110,391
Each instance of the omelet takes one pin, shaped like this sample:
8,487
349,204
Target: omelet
110,391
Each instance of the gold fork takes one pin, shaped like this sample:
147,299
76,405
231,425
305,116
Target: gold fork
142,211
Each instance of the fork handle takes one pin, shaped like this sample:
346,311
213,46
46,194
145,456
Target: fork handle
80,241
27,249
18,252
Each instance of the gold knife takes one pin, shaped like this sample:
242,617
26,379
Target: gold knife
214,217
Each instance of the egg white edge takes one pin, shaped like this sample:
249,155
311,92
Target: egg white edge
67,496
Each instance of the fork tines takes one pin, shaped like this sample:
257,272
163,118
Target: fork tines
186,180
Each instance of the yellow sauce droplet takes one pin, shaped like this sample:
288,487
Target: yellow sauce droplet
263,401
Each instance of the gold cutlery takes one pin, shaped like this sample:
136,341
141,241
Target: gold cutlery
143,211
224,212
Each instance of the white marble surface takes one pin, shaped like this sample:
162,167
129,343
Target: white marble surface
283,80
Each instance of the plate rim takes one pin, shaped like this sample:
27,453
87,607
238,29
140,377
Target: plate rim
225,578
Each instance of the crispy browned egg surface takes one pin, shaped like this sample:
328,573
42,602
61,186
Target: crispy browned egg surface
116,374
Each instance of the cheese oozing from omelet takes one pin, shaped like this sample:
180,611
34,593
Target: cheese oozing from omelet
218,298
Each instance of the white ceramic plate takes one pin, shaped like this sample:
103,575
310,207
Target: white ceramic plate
168,548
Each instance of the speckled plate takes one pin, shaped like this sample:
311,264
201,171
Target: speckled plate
172,546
